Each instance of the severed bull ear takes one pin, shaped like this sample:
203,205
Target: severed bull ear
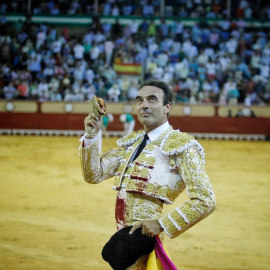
98,106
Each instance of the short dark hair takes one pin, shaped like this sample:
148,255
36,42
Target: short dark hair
163,86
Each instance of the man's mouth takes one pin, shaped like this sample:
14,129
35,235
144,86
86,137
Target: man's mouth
145,114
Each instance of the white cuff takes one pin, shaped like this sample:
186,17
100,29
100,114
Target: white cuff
86,142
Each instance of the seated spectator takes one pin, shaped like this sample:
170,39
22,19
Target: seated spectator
10,91
23,90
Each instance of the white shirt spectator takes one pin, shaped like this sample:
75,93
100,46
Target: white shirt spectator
202,58
99,37
48,71
55,96
176,47
107,8
127,10
79,73
153,47
88,38
89,75
157,72
132,92
134,27
186,45
43,86
265,70
43,96
57,45
115,10
193,85
231,46
162,59
9,91
79,96
78,51
108,47
224,62
168,76
228,86
148,10
41,37
94,52
181,70
192,52
69,96
211,68
210,52
114,93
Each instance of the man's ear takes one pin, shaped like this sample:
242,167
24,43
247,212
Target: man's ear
168,107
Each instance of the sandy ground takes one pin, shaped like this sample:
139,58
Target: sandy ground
51,219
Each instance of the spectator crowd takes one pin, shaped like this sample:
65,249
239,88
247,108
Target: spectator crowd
226,61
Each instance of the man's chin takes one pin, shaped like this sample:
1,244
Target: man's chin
146,121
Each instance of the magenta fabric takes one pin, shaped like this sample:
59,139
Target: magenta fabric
163,257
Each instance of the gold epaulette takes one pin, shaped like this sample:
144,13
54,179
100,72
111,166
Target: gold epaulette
130,139
175,142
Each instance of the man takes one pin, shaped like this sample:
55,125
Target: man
129,123
170,162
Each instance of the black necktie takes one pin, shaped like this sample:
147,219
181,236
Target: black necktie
142,145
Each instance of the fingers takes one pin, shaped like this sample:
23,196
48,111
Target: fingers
91,121
135,227
146,229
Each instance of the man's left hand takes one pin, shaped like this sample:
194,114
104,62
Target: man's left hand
149,227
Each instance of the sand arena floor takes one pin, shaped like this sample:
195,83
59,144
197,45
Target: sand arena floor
51,219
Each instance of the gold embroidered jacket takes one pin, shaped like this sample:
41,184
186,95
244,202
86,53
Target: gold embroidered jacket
166,166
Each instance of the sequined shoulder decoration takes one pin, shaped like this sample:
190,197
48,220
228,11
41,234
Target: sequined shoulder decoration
130,139
175,142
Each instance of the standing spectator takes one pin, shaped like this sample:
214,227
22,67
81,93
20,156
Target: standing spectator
34,67
148,9
57,45
129,123
107,8
109,47
127,9
164,29
89,75
94,52
115,10
133,91
79,72
134,27
41,38
124,86
177,28
114,93
78,51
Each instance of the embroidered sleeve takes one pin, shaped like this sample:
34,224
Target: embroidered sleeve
201,201
95,168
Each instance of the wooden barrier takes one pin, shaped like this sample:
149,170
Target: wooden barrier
195,118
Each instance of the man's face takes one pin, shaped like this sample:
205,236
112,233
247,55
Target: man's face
151,111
